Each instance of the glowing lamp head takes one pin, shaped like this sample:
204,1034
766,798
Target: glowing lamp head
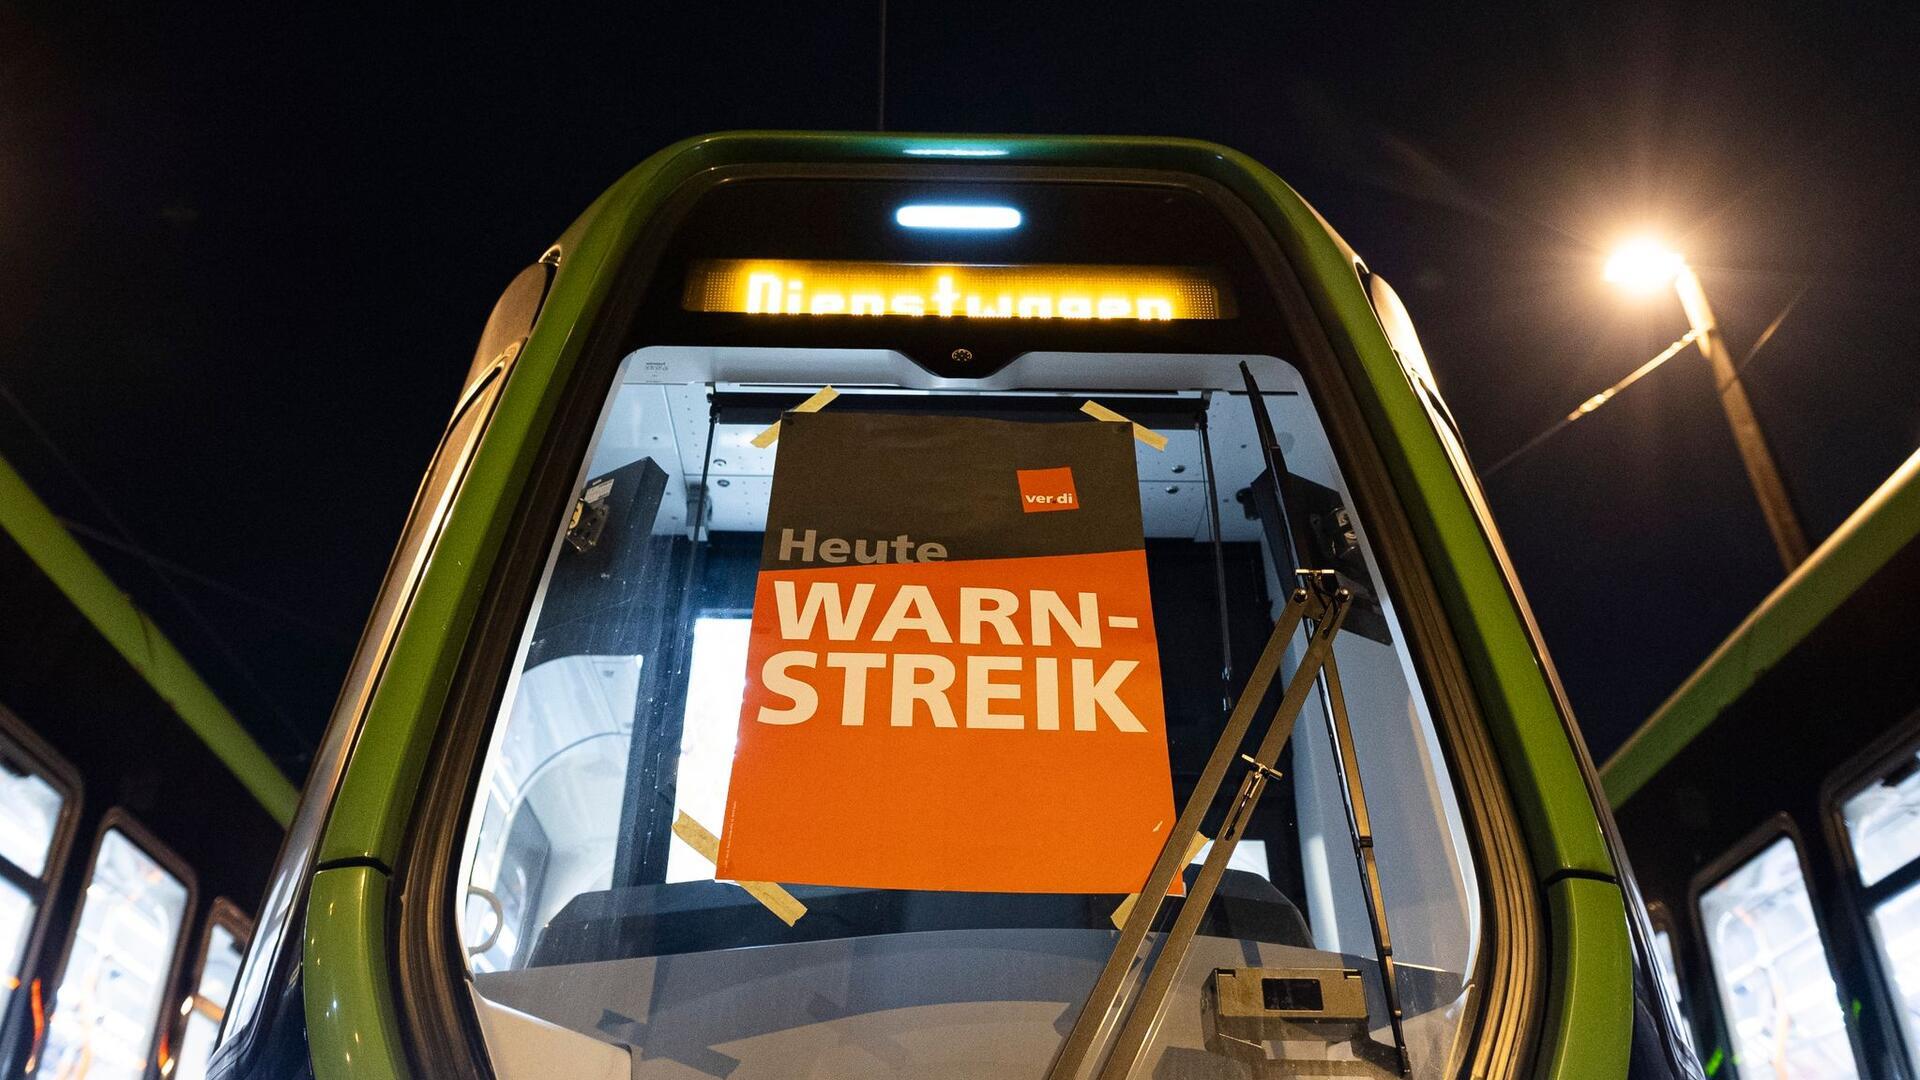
1644,266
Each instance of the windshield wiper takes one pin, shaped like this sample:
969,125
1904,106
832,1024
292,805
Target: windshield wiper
1094,1014
1325,602
1333,701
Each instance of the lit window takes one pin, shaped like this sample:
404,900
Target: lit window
1883,829
1777,990
1883,823
30,812
1248,855
208,1005
108,1009
1896,930
717,677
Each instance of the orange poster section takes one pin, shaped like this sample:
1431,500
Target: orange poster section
985,725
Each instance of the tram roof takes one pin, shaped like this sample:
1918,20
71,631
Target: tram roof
1872,535
135,637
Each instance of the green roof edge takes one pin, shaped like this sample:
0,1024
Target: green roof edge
1885,523
134,636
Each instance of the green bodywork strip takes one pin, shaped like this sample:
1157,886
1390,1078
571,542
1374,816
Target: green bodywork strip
1590,1010
1884,524
351,1030
1541,768
135,637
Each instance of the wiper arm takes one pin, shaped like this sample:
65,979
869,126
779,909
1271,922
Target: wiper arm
1334,703
1326,603
1107,989
1148,1008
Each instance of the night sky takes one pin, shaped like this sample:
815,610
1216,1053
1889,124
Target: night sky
245,256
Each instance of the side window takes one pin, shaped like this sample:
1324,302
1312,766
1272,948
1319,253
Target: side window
1778,997
1883,832
36,814
221,947
107,1012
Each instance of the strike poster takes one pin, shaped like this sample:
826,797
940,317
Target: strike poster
952,676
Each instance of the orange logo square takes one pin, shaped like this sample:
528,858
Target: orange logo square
1044,490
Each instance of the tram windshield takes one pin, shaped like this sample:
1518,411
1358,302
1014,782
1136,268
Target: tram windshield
638,751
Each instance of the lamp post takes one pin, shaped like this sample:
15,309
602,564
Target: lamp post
1645,267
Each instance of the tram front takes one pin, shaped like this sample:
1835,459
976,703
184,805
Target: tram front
954,609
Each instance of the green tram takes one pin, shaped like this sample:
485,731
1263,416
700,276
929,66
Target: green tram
505,860
1784,905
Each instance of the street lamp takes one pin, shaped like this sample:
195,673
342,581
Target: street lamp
1645,266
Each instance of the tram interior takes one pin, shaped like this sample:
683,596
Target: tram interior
586,914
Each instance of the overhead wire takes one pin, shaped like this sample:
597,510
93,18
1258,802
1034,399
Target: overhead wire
1603,397
206,581
1593,403
1772,328
219,641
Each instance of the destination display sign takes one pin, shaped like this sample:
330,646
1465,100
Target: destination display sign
952,679
956,291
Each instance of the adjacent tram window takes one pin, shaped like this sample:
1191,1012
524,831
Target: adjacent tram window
221,952
1883,831
1896,932
1883,822
1777,991
586,910
108,1010
29,814
31,810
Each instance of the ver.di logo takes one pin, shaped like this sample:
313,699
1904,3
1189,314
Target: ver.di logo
1044,490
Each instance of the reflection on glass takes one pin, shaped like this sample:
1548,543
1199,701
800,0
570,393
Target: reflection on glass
1883,823
1770,964
552,812
208,1005
108,1007
29,810
1669,967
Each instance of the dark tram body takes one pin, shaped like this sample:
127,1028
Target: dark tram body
1772,810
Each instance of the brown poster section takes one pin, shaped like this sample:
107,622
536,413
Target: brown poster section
952,676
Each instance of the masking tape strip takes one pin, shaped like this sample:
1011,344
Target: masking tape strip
1126,906
776,899
1144,434
813,404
